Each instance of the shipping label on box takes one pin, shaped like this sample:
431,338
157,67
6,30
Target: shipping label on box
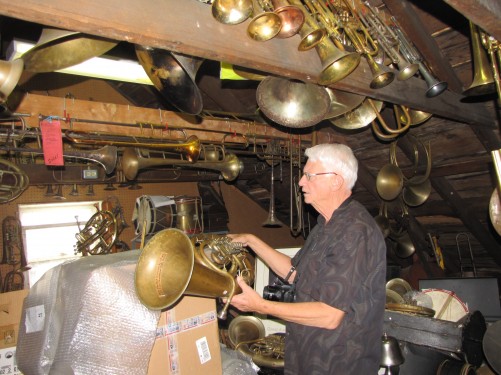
8,364
187,339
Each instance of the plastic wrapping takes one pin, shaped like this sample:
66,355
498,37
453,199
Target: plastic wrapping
236,363
83,317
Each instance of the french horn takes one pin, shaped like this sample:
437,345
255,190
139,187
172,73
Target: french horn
13,181
99,234
172,264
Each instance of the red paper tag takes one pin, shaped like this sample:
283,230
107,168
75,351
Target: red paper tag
52,142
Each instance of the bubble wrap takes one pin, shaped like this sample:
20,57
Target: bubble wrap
83,317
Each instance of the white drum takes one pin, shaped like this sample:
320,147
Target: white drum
446,304
154,213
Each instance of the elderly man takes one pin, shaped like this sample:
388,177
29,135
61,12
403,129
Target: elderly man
335,323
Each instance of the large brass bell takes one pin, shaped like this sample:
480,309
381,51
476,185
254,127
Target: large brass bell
58,49
10,72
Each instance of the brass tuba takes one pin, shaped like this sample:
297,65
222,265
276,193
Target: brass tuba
171,264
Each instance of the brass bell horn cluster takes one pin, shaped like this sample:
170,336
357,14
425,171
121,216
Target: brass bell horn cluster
171,264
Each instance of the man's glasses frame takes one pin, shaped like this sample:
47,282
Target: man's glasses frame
310,175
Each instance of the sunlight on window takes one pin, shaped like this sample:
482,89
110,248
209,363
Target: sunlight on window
49,233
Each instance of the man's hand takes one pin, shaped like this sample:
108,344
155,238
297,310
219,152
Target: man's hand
248,300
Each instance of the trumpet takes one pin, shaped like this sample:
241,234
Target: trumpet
388,40
435,87
381,75
132,162
336,63
493,48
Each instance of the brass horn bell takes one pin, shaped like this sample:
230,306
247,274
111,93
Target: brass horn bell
58,49
292,103
173,75
10,72
171,264
231,12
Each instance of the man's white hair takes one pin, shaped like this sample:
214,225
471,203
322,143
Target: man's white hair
336,157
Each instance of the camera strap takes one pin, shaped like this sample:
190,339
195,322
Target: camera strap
289,274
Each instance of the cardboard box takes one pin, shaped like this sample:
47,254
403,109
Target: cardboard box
11,307
187,340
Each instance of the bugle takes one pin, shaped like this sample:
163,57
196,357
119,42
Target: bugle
132,162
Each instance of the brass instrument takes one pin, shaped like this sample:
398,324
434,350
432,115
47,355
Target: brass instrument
483,80
99,234
266,24
389,132
435,87
231,12
292,18
295,191
190,148
311,33
336,63
276,96
132,162
13,181
247,335
171,264
361,38
10,72
173,75
105,156
493,48
271,220
389,42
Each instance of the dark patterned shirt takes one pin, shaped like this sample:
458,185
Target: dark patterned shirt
342,264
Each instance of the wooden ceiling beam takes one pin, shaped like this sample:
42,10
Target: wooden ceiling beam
484,13
188,27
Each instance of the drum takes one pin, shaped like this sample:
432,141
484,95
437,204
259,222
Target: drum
446,304
189,214
154,212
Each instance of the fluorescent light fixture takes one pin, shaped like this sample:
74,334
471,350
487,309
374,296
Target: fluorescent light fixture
103,67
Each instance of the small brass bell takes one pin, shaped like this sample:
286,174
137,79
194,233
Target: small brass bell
391,355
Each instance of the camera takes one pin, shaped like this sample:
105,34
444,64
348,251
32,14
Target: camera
280,292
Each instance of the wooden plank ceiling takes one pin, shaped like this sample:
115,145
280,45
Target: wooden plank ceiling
461,132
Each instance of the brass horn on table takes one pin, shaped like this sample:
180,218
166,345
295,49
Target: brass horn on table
13,181
173,75
172,264
58,49
10,72
132,162
483,80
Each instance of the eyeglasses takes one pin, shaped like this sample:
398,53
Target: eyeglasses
310,175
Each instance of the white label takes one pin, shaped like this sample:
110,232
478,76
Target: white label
35,318
203,350
8,363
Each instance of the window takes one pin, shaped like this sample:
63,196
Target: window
49,233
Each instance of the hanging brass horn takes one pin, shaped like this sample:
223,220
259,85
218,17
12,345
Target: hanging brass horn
10,72
13,181
359,117
483,80
105,156
266,24
291,16
336,62
173,75
171,264
132,162
271,220
58,49
231,12
292,103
